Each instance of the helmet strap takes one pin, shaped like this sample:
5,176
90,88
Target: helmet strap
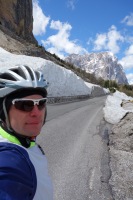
6,116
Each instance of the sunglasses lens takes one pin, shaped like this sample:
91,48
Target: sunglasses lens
24,105
28,105
41,104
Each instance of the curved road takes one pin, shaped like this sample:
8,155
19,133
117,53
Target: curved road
74,139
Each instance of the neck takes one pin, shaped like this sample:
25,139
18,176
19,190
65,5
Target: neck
24,140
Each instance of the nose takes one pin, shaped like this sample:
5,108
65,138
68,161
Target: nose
35,111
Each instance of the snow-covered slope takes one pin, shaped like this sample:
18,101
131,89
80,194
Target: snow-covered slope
62,82
104,65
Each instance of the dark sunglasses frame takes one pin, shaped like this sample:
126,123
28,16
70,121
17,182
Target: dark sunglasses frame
27,105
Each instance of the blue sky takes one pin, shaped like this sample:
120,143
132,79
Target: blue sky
84,26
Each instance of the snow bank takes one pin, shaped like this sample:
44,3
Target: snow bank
113,112
62,82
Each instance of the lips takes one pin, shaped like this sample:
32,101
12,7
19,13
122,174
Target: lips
30,123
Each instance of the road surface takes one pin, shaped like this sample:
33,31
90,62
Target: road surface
75,139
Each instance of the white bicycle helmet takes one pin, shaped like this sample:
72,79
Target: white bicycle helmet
18,82
21,77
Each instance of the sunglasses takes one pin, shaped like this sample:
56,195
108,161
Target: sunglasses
27,105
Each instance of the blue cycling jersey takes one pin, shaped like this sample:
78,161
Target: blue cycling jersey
23,172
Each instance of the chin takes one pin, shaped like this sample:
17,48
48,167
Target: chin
34,130
34,133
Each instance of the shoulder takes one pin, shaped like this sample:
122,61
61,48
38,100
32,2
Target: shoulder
15,154
16,171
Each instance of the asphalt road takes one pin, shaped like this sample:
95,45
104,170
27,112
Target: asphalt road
74,139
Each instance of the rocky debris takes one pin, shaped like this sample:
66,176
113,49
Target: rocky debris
121,157
17,45
14,44
10,44
127,105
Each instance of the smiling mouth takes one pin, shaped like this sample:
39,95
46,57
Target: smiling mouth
32,123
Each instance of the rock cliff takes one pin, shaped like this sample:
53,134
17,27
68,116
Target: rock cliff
16,16
103,65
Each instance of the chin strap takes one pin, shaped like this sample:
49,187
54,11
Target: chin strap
6,116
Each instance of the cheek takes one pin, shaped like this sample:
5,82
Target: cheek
15,118
11,115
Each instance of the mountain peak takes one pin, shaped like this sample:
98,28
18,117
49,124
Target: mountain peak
103,64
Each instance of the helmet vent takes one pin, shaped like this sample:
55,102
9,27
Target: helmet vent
19,72
8,77
37,74
30,72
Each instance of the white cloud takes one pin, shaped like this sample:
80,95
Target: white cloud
60,43
129,51
113,37
127,61
71,4
100,42
128,20
109,41
130,78
40,21
90,41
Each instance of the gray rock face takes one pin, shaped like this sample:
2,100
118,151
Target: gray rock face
97,91
121,159
16,16
104,65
